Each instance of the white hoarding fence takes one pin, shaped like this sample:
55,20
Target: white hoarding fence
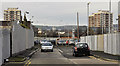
109,43
105,43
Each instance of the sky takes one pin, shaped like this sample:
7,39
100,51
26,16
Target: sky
59,12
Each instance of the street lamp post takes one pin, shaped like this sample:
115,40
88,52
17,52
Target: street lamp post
109,17
78,26
88,17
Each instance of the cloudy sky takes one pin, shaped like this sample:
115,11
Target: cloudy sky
58,12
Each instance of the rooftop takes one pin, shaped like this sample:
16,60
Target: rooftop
12,9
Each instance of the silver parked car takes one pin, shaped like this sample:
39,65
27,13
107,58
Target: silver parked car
48,46
61,42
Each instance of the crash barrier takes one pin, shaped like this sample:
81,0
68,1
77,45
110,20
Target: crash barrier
109,43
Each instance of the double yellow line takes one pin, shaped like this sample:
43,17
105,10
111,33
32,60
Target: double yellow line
28,62
100,59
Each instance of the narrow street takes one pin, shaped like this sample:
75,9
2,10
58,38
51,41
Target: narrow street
63,55
54,57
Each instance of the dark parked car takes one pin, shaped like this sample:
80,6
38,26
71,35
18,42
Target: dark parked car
53,42
37,42
81,49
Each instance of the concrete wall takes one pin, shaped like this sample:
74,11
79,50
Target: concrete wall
0,47
29,38
4,44
18,38
109,43
21,38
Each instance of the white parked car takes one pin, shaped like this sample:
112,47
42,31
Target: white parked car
47,47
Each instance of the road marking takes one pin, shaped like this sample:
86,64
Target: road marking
69,53
95,58
72,61
105,59
92,57
27,62
60,50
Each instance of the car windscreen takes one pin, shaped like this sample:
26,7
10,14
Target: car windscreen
47,44
44,40
82,45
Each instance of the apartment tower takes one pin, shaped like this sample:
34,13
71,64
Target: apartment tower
101,20
12,14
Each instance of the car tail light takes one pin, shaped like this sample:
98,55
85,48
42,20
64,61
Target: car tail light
88,48
75,48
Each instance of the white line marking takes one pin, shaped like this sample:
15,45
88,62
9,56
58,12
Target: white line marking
72,61
60,50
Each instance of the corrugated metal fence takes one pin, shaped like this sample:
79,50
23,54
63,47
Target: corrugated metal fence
109,43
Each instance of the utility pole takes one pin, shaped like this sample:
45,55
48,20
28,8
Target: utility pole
78,26
88,17
109,17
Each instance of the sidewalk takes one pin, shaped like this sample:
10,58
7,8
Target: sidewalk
105,56
22,56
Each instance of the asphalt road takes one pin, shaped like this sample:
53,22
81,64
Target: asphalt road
54,57
67,52
62,56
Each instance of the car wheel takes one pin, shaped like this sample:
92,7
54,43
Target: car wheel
51,50
74,54
41,50
88,54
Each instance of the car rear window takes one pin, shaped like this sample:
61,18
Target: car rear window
82,45
47,44
44,40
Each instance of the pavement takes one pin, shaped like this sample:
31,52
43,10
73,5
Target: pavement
21,57
106,56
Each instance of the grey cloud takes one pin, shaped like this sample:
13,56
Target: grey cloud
58,13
